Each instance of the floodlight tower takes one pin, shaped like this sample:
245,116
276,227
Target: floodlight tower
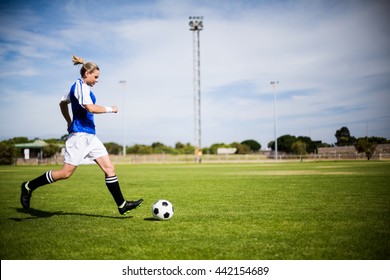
196,25
274,83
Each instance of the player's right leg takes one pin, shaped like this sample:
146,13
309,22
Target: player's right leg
48,177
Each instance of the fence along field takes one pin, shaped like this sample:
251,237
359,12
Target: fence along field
382,152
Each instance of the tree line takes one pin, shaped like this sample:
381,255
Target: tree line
303,145
245,147
288,144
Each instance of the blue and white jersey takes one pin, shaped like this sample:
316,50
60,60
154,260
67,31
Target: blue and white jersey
79,96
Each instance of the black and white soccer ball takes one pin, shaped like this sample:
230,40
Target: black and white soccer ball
162,210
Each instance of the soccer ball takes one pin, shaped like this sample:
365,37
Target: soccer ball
162,210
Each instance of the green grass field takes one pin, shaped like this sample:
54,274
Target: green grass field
301,211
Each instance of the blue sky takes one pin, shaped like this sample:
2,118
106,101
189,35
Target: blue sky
331,58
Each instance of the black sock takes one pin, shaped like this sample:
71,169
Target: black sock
113,186
42,180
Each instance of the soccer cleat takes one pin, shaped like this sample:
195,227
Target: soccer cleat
130,205
25,196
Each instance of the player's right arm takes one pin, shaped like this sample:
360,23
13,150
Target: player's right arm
65,110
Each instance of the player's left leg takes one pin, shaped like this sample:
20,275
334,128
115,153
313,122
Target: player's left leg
113,186
48,177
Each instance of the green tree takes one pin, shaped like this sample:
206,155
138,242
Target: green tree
214,147
17,140
310,146
271,145
140,149
158,145
285,143
50,150
344,137
366,145
242,149
319,144
252,144
379,140
299,148
184,148
160,148
179,145
113,148
7,153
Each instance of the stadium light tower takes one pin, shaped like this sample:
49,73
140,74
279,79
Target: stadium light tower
196,25
123,83
274,83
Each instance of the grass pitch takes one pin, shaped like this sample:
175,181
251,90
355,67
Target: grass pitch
302,211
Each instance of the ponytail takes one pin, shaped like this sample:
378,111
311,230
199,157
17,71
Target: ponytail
77,60
87,66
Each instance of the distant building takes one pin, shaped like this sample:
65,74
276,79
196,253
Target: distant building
226,151
32,150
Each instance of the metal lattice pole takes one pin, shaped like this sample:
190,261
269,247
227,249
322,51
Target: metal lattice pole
196,25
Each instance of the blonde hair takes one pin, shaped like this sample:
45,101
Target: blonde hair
87,66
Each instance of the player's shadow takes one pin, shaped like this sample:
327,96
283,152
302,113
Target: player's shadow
39,214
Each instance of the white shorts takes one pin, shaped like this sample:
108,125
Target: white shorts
83,148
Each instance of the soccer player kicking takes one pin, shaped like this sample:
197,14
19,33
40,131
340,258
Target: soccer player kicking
82,144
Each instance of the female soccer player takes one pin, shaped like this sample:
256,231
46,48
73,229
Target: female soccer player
82,143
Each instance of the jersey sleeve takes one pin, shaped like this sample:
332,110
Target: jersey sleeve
66,98
82,93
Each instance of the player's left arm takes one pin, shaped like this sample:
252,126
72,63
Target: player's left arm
97,109
86,102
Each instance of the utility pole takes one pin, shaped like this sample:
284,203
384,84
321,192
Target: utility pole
123,83
274,83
